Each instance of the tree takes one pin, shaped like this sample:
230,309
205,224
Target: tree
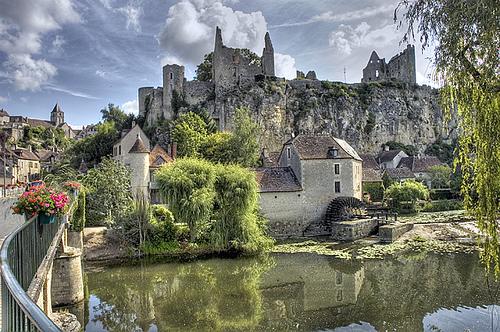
189,131
216,148
188,186
243,142
406,194
465,37
219,203
114,114
440,176
108,196
204,69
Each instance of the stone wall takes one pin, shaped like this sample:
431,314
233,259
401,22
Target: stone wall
285,213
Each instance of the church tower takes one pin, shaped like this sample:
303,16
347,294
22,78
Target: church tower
57,116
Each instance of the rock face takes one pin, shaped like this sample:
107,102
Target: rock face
365,115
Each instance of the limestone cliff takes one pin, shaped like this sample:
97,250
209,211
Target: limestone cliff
365,115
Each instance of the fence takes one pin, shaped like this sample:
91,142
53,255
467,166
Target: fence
25,259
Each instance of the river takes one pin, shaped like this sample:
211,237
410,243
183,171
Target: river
288,292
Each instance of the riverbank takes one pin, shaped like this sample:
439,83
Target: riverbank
442,232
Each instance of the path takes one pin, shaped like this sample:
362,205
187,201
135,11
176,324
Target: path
8,223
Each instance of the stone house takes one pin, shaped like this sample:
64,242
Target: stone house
390,158
26,165
312,170
400,174
420,166
133,150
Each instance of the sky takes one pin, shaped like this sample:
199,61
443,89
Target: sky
84,54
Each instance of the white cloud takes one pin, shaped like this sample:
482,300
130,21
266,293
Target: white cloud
332,17
22,26
100,73
70,92
131,106
346,38
132,14
285,66
188,33
27,73
3,99
57,45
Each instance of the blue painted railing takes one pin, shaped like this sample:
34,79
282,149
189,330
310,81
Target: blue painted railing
25,259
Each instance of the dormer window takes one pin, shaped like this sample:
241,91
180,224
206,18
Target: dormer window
333,152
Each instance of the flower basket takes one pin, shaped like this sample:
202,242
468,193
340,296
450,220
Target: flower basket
45,219
41,201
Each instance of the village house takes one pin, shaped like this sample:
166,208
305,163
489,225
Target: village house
390,158
421,166
133,150
312,170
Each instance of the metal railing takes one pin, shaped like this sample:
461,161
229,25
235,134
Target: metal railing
25,259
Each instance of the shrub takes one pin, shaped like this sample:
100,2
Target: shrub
404,195
375,189
78,219
442,205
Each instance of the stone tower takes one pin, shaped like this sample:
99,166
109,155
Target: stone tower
138,160
57,115
143,93
268,57
173,80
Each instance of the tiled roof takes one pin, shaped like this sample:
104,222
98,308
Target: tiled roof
272,159
39,123
369,161
158,157
3,112
44,155
26,154
386,156
277,179
400,173
419,164
317,147
139,146
371,175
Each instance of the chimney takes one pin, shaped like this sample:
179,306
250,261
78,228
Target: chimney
173,152
386,147
29,148
265,153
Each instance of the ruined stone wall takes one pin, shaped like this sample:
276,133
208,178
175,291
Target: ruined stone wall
198,92
402,66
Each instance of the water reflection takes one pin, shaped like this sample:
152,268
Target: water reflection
296,292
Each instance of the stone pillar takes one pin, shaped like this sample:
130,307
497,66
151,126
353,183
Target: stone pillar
75,239
67,278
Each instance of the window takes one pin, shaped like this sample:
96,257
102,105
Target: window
339,295
335,152
31,164
288,153
119,149
171,76
336,169
338,278
337,187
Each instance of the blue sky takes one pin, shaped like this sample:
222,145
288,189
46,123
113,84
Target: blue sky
88,53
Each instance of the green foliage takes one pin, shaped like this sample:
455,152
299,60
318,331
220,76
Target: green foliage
244,145
159,132
178,102
187,186
217,147
189,131
158,248
218,203
94,148
375,189
370,123
442,205
405,195
203,113
114,114
408,149
60,174
109,194
162,225
464,35
442,150
204,69
440,176
45,138
78,219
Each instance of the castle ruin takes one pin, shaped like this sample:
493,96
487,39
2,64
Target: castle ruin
401,67
231,69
